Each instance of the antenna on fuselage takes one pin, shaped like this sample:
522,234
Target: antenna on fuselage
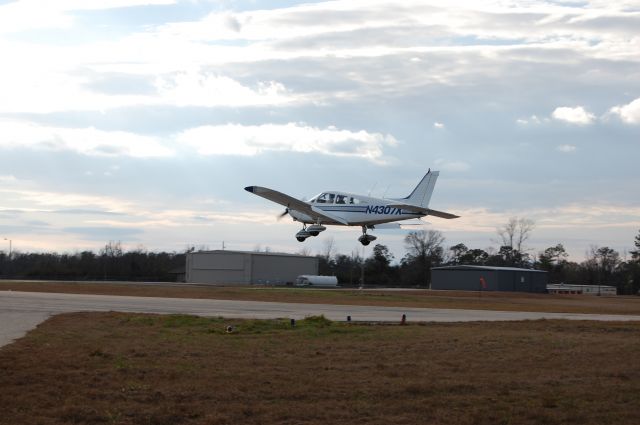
371,190
386,190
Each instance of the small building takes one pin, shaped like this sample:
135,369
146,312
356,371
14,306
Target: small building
488,278
561,288
247,268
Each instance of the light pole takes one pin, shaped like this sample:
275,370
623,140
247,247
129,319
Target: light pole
9,247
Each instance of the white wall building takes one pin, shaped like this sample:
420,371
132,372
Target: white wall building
561,288
247,268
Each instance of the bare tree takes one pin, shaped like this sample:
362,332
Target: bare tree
605,259
328,248
423,243
516,232
305,251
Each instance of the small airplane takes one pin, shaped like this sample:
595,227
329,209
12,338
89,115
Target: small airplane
348,209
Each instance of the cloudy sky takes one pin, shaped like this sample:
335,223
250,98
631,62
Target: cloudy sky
141,121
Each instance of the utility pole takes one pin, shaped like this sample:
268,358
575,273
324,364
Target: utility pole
9,247
362,270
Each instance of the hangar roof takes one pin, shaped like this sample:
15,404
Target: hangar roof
487,268
276,254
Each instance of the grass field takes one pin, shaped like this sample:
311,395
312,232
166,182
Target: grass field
114,368
506,301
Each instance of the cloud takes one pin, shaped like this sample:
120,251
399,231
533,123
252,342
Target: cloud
192,88
36,14
566,148
438,125
235,139
98,233
52,201
337,41
629,113
533,119
576,115
29,87
86,141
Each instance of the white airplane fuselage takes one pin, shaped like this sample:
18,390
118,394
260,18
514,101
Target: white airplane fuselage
369,211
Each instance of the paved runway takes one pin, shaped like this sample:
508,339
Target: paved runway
22,311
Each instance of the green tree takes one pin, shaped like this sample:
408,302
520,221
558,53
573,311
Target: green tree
635,255
603,264
458,252
378,267
509,257
424,251
553,260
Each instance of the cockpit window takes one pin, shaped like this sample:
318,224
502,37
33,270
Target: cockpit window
330,198
323,199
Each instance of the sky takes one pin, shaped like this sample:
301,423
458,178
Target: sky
141,121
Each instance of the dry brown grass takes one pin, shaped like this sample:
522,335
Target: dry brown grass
113,368
506,301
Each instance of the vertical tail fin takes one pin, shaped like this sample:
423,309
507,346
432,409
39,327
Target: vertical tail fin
421,195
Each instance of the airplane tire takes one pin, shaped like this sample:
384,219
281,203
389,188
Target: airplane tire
314,233
365,242
300,239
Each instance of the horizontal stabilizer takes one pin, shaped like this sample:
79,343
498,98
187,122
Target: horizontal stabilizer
441,214
424,211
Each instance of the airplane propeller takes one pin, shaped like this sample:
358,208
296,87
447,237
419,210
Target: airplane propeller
285,212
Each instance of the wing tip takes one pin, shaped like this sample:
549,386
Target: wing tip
250,189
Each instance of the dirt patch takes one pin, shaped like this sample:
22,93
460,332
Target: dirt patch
116,368
505,301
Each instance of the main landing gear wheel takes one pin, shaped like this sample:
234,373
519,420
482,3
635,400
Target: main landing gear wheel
302,235
313,230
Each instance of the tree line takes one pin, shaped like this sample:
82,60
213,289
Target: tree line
110,263
424,250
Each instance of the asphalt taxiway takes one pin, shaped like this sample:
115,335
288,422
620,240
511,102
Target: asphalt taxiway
22,311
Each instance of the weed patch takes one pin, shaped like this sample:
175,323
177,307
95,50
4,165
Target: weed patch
114,368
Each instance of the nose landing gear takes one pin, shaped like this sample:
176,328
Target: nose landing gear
366,239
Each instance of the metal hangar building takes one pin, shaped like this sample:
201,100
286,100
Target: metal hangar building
247,268
487,278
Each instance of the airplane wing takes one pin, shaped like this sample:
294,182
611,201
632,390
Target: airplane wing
292,203
329,215
279,198
425,211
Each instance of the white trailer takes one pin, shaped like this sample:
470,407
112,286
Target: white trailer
313,280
